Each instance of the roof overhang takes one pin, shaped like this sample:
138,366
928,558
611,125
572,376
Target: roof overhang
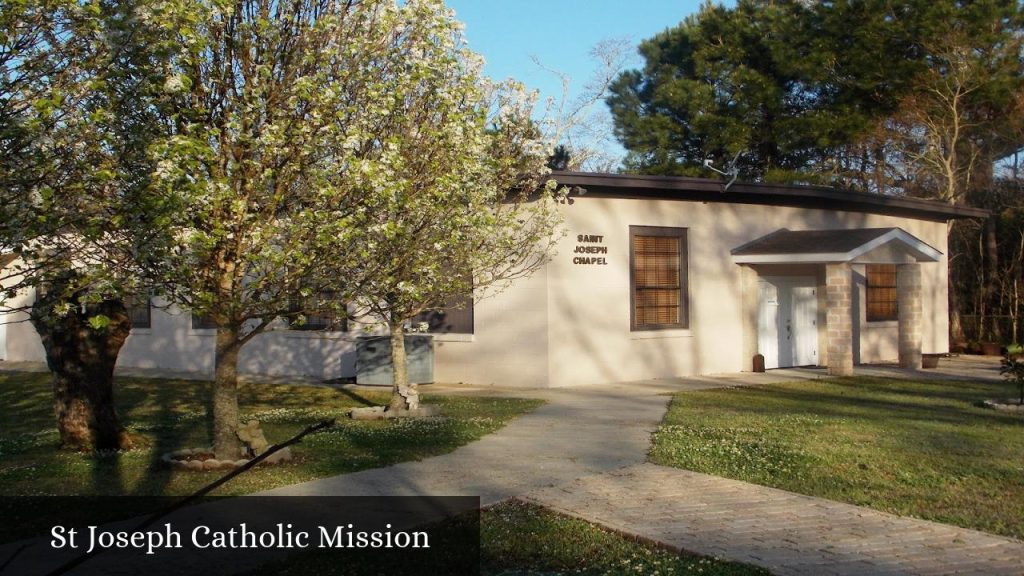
682,188
875,246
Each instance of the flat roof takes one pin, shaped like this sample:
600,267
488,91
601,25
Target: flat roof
712,190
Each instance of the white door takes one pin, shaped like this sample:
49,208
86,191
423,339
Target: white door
768,323
787,323
3,337
804,316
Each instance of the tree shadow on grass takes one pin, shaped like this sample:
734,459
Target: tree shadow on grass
107,474
843,400
165,409
170,434
937,426
356,397
27,398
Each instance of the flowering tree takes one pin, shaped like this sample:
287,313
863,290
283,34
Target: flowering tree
243,156
72,161
455,199
269,107
306,139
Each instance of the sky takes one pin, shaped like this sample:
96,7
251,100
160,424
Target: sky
559,34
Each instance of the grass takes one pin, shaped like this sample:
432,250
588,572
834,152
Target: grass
167,415
915,448
520,539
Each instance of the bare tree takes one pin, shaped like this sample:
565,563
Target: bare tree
582,124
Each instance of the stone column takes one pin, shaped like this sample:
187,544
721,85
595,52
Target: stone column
748,278
908,300
839,318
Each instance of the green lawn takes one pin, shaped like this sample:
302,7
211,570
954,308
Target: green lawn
521,539
170,414
914,448
518,538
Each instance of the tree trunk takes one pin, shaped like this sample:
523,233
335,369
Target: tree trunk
956,327
1015,309
991,287
226,444
404,396
81,359
880,187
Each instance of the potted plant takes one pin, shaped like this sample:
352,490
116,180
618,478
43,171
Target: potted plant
990,348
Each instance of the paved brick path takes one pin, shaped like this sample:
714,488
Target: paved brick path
784,532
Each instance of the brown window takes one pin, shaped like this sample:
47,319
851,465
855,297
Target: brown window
881,292
323,312
658,282
139,311
454,318
203,322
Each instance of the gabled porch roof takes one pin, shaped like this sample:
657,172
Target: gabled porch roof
874,245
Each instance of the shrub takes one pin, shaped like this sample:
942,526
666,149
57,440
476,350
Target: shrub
1013,370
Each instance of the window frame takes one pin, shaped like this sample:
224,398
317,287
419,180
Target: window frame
336,322
464,305
203,322
132,303
682,235
868,288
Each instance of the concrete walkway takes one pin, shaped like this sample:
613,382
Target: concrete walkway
583,454
578,432
789,534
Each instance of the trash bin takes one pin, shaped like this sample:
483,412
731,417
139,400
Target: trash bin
373,359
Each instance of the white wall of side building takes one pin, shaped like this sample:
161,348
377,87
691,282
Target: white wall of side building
510,345
569,323
21,340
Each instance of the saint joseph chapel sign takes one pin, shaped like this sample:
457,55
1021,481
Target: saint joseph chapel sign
591,245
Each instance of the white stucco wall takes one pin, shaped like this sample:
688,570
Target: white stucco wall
873,342
569,323
172,344
509,345
22,341
589,328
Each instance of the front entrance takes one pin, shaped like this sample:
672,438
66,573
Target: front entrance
787,321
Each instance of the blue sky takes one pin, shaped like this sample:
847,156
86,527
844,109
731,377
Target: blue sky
560,33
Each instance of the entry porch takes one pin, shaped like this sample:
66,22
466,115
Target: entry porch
809,294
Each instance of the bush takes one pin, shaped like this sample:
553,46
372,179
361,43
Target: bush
1013,370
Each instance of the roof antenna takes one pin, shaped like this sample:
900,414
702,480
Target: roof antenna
732,172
